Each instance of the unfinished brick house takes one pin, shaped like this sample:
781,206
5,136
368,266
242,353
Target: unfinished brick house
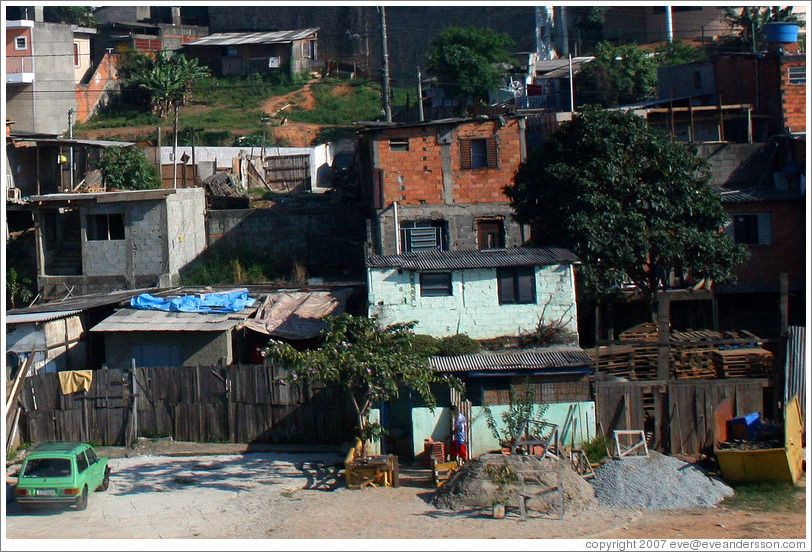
438,185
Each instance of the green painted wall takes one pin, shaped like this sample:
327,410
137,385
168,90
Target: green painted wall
437,425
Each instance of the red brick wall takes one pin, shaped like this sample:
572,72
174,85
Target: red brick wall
415,177
786,250
793,96
88,95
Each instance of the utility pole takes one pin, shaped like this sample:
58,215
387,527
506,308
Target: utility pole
175,150
669,25
70,136
419,95
387,109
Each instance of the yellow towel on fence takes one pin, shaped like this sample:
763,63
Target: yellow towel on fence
75,380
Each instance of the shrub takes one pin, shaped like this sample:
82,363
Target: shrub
127,168
595,448
456,345
426,344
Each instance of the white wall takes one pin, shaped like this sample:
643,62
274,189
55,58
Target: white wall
473,308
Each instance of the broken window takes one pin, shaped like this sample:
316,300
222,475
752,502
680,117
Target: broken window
435,284
478,153
105,227
490,233
424,235
517,285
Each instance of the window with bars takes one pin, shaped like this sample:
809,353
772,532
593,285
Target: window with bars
424,236
517,285
478,153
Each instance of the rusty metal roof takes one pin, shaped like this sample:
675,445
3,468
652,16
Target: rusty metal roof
138,320
232,39
491,258
548,358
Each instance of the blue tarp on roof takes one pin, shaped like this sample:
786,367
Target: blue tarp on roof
233,301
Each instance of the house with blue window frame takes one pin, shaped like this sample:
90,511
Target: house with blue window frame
482,293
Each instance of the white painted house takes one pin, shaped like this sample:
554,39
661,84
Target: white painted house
481,293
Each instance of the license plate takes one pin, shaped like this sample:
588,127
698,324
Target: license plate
46,492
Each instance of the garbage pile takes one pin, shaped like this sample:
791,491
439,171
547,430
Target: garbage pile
658,482
471,487
749,432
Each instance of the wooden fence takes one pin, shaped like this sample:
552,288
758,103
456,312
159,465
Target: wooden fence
242,403
678,415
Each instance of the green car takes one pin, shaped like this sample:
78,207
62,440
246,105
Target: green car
61,474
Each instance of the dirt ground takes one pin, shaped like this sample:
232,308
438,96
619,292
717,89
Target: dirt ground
298,135
234,492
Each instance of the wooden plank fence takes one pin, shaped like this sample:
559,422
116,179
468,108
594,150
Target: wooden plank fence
240,403
681,412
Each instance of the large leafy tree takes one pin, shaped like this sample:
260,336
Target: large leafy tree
628,73
469,61
76,15
632,204
750,21
368,361
166,79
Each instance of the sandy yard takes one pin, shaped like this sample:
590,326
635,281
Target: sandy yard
273,495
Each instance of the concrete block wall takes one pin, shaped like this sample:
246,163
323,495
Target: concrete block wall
326,236
473,308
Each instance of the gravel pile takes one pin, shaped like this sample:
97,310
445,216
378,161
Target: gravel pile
657,483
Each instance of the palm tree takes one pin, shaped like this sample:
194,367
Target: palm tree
167,79
752,19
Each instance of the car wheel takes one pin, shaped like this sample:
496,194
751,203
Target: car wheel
81,502
106,481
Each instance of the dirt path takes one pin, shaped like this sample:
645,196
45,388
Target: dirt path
273,495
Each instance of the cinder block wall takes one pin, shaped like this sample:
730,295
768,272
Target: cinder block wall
473,309
322,237
185,227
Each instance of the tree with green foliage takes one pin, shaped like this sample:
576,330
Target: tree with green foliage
166,79
625,74
630,202
18,288
127,168
470,61
74,15
751,21
370,362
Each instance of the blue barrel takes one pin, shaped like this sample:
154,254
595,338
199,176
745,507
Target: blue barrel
781,31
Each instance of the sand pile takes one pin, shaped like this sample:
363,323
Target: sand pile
657,483
471,487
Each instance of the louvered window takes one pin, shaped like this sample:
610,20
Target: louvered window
435,284
424,236
797,75
478,153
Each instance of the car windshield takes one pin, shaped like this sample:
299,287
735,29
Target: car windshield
47,467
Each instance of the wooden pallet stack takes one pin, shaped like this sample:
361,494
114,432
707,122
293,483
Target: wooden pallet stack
744,362
692,354
615,361
644,363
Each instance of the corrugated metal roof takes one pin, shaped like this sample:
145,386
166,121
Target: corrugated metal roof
756,194
493,258
527,359
72,142
38,316
137,320
231,39
121,195
83,302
